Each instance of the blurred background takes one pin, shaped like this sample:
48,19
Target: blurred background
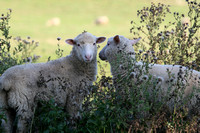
45,20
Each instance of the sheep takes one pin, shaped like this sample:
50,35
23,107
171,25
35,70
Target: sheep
53,22
102,20
167,76
66,79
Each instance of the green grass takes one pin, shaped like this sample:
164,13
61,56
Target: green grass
29,19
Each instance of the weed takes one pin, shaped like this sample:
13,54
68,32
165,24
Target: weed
22,53
176,42
50,118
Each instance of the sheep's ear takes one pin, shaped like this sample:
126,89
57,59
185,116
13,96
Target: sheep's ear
100,39
116,39
70,41
134,41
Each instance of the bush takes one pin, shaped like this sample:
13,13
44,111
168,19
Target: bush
174,42
10,55
135,106
50,118
2,117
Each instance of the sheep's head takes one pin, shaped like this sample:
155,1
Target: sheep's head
116,45
85,46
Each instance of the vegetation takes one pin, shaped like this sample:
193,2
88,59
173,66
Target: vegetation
22,53
52,121
135,108
177,42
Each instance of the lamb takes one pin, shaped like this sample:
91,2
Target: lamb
66,79
167,75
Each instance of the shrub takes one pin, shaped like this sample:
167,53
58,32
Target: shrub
134,106
2,117
175,42
10,55
50,118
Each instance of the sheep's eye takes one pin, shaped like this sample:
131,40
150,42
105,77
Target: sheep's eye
94,43
108,44
78,44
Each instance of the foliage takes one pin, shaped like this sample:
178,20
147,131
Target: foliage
58,51
2,117
10,56
176,42
135,104
50,118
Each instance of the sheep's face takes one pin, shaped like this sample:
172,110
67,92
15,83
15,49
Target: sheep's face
85,46
116,45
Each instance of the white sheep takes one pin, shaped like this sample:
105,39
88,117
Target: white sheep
66,79
167,75
102,20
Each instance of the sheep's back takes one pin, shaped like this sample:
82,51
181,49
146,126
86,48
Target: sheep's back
173,73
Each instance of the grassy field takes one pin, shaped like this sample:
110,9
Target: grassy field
29,19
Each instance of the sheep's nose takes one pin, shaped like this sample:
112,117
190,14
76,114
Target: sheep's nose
101,56
88,57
